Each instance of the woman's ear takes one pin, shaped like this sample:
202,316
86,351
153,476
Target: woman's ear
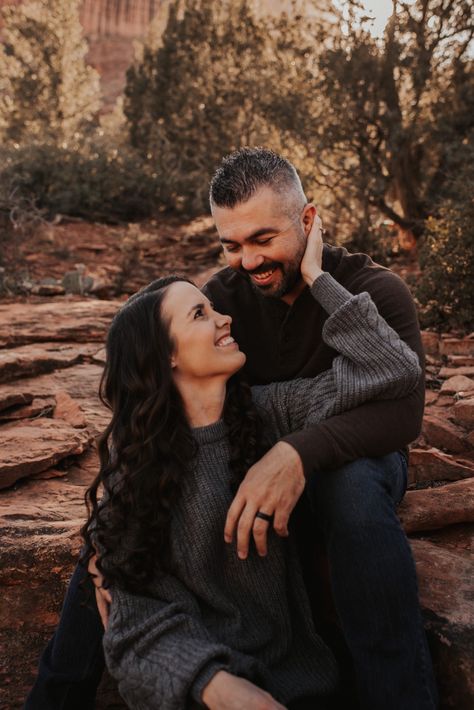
172,362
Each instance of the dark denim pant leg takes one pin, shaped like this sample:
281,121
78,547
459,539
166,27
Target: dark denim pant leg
374,583
72,664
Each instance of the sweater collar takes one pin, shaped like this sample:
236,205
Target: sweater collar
210,433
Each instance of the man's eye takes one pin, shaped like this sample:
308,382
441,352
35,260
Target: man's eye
230,249
264,241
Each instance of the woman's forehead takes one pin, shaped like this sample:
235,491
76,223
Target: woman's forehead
180,297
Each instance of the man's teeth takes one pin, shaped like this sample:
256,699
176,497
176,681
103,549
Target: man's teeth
263,275
225,341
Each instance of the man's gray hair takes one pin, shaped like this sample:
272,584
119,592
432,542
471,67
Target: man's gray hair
246,170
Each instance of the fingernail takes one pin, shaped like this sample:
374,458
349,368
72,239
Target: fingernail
242,555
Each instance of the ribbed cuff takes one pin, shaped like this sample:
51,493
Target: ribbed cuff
204,677
329,292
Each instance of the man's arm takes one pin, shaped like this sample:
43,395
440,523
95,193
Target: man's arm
274,484
377,427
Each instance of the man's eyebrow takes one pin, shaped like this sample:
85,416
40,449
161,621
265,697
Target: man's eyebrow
258,233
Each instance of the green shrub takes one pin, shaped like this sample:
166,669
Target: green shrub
91,181
446,289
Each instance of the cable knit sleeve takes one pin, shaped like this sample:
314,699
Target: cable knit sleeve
374,363
158,650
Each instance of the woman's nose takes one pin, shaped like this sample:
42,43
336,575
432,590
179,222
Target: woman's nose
222,320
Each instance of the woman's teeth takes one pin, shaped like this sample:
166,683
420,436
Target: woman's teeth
228,340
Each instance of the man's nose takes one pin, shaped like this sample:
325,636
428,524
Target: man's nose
251,259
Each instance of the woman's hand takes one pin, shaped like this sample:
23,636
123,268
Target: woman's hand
312,259
102,596
229,692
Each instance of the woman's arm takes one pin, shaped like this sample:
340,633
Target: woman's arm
162,655
374,363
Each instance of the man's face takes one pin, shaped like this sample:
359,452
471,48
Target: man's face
261,241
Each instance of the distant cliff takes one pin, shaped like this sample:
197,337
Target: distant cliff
111,26
122,18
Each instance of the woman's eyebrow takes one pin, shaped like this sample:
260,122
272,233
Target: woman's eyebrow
196,307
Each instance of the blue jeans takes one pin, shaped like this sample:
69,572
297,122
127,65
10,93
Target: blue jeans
373,582
72,663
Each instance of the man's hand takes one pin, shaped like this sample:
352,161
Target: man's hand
102,596
272,486
229,692
312,258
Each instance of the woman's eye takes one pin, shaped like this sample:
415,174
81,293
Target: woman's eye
198,313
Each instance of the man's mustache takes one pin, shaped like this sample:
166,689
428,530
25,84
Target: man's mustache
269,266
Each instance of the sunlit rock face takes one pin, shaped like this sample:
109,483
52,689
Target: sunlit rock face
125,18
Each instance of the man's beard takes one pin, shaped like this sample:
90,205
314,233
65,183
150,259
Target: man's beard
290,274
290,277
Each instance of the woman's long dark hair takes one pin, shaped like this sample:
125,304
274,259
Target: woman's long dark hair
148,445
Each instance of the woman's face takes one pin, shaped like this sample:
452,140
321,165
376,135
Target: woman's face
203,345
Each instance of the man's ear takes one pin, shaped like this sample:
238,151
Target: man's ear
172,362
309,213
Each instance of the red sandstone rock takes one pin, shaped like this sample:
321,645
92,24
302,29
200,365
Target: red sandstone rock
40,406
461,360
467,371
81,382
458,383
69,410
430,397
445,400
442,434
456,346
445,583
433,508
33,446
430,342
11,397
463,412
434,465
59,320
30,360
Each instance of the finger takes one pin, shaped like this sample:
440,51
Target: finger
244,527
280,522
233,516
260,532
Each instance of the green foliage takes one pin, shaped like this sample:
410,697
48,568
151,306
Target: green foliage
46,88
381,115
93,181
207,89
446,289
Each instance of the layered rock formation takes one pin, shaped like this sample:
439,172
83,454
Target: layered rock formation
50,368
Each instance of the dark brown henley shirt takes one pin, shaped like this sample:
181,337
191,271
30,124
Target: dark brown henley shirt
283,342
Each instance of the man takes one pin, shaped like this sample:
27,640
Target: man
352,467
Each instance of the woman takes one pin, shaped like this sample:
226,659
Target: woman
190,622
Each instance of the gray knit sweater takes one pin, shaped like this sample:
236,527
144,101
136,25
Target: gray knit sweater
250,617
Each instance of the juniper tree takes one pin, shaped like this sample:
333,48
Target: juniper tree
46,88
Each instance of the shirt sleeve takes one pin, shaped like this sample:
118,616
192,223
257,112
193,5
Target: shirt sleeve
160,652
374,363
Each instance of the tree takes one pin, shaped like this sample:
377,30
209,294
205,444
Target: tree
382,116
46,88
207,88
446,287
